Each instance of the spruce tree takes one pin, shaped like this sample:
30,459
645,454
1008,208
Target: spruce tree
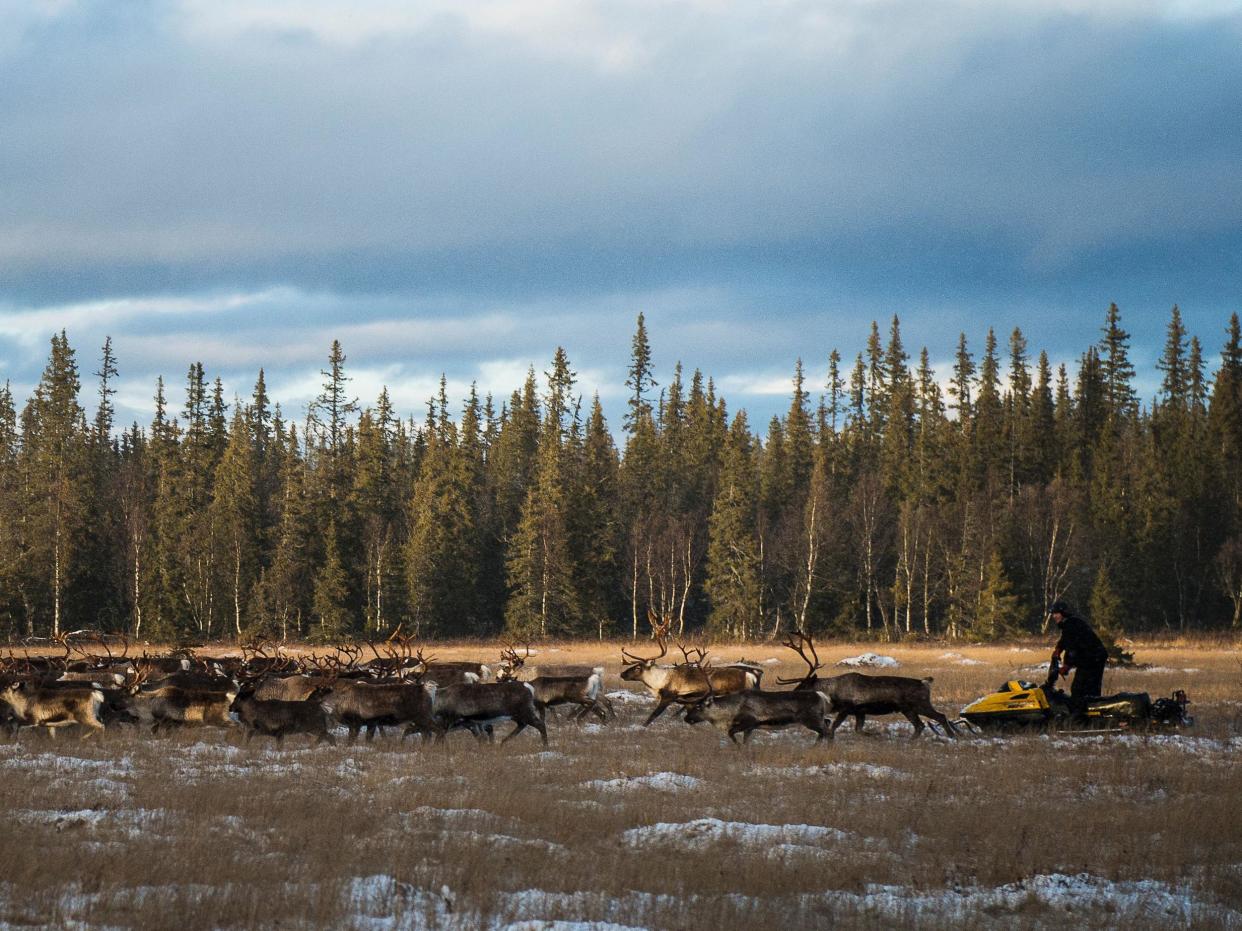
639,378
332,618
1116,369
733,581
54,449
234,516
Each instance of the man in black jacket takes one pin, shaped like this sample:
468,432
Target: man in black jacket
1080,649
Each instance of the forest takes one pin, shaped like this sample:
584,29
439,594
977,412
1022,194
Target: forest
880,505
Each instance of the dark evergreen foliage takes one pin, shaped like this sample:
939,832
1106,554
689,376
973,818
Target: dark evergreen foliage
881,503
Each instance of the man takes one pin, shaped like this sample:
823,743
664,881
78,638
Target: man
1081,649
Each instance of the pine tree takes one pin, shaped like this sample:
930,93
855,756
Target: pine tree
899,431
1020,442
998,613
989,414
53,448
234,515
441,553
283,604
639,380
733,581
591,525
1116,368
836,389
1225,417
1107,614
543,599
11,542
1174,387
960,387
331,593
1043,423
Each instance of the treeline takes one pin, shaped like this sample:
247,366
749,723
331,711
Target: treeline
877,506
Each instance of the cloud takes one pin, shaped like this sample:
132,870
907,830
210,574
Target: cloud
510,146
463,187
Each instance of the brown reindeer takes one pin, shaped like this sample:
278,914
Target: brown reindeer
479,705
857,695
373,705
33,706
744,712
278,718
551,691
684,684
173,706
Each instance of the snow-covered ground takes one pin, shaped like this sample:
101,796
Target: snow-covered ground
869,660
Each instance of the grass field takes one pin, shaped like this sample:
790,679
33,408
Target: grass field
619,827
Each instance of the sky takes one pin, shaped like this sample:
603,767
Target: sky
460,187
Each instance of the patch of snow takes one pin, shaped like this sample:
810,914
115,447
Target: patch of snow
539,924
453,814
626,696
381,902
706,832
960,660
133,822
771,661
1079,895
870,770
869,660
664,782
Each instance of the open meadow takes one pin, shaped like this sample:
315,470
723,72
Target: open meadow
615,826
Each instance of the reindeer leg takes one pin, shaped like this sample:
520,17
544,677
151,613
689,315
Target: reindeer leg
521,726
838,721
859,720
659,710
820,727
942,720
916,721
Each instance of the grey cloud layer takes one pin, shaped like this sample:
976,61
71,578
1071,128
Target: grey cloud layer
158,140
448,185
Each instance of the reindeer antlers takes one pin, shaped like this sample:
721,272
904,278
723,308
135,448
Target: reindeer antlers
799,641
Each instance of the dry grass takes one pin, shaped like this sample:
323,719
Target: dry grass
197,831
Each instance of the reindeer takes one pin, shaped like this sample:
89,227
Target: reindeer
33,706
170,706
743,712
456,672
278,718
858,695
374,705
479,705
684,684
551,691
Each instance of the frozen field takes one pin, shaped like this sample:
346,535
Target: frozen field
616,827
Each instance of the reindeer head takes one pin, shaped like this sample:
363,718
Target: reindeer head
636,665
511,663
700,710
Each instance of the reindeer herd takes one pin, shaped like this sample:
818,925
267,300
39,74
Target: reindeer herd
265,692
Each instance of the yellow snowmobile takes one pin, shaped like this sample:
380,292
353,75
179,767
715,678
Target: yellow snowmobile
1024,706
